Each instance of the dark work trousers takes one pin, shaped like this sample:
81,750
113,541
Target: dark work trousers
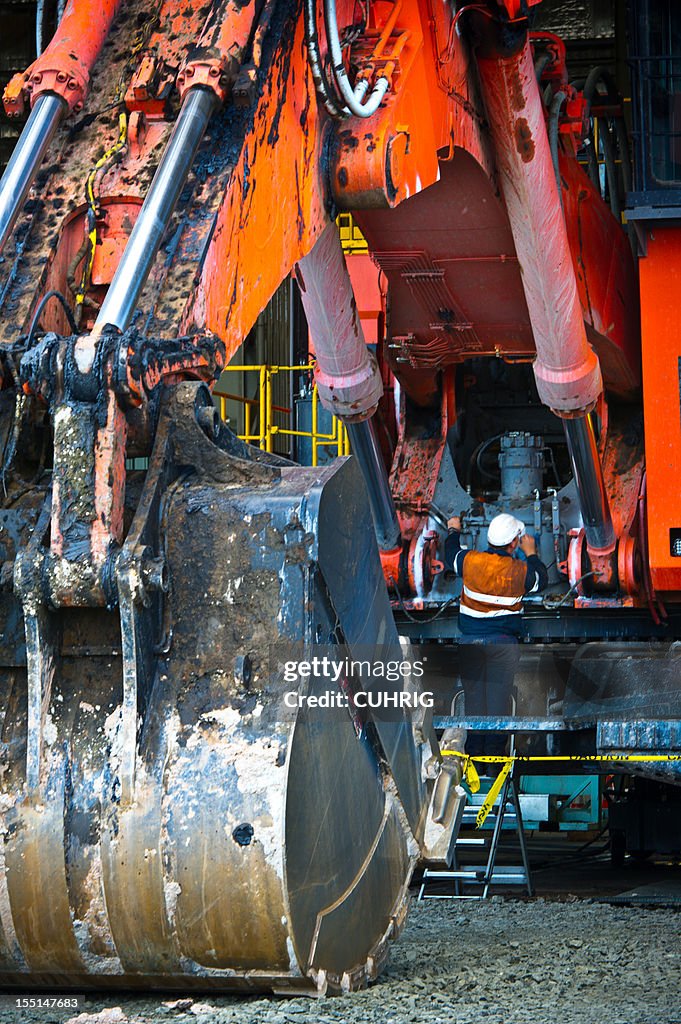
488,665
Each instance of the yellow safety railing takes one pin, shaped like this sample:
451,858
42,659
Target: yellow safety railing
259,426
351,237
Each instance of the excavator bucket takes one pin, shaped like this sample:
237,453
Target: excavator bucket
165,824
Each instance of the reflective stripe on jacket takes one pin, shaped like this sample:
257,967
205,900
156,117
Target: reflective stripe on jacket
493,585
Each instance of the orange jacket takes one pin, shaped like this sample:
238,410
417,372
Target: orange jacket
493,585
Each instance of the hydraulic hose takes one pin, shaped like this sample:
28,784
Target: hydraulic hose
353,99
316,65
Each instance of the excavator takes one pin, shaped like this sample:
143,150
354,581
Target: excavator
164,825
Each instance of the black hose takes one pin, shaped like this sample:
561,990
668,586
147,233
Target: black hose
321,82
541,64
595,77
413,618
477,455
41,306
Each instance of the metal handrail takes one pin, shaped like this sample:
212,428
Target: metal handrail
267,429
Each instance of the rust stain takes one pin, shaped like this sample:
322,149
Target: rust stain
515,88
524,142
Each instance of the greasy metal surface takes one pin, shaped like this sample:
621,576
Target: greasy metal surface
225,220
51,228
26,159
588,475
366,449
150,879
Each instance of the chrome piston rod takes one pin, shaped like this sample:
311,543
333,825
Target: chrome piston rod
588,474
366,449
157,209
27,157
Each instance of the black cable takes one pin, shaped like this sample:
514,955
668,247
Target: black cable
572,858
412,618
478,454
573,590
53,294
322,84
610,169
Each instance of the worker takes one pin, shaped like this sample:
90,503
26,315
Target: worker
490,617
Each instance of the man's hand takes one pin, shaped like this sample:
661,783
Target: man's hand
528,544
454,523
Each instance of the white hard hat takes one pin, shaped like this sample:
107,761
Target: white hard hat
503,530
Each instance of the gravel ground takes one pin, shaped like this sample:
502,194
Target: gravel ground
498,962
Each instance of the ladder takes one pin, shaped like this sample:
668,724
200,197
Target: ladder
485,875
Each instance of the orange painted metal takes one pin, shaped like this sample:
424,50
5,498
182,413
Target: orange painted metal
364,275
420,174
273,209
606,280
149,88
660,283
64,67
260,235
394,568
216,61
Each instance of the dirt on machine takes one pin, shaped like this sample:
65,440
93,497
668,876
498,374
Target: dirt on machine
168,820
